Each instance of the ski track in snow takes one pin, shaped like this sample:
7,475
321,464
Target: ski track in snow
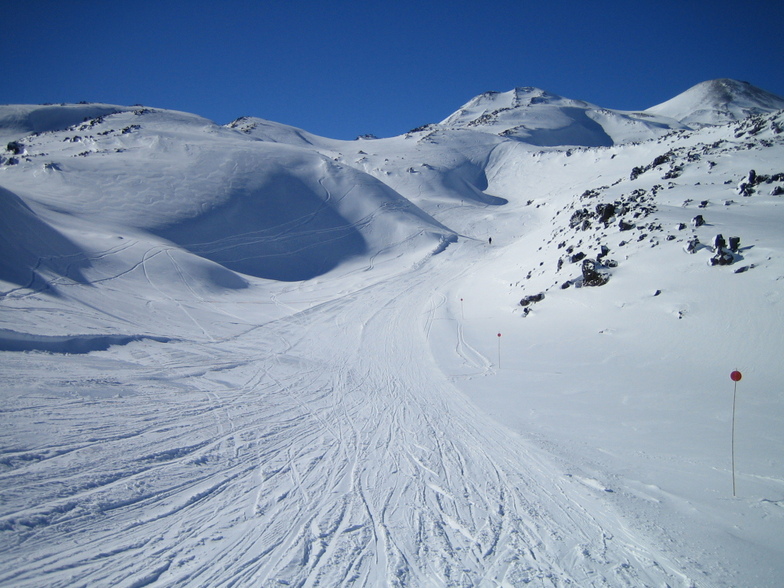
323,448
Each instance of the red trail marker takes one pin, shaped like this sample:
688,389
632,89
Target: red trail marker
735,376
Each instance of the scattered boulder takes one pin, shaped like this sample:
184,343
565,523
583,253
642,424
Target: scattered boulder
624,226
719,243
605,212
746,185
674,172
577,257
692,245
531,299
722,258
660,160
698,221
578,217
591,276
734,244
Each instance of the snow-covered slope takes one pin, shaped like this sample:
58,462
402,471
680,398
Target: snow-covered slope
259,209
248,355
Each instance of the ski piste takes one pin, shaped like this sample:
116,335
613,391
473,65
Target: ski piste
247,355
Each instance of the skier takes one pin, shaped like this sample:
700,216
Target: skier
489,240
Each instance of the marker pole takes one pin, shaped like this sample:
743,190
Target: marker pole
735,376
734,395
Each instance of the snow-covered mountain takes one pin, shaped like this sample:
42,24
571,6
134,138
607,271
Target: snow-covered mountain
493,351
539,118
718,102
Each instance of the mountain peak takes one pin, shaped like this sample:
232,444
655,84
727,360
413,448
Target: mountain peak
535,116
718,101
487,106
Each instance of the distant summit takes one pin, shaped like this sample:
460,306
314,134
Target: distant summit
718,102
534,116
487,108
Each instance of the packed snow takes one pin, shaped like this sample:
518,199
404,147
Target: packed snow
493,351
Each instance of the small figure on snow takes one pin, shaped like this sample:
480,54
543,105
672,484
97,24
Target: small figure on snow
489,240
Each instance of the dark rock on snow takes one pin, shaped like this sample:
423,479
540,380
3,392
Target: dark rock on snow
591,277
722,258
531,299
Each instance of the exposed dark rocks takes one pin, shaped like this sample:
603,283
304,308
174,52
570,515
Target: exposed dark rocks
734,244
745,268
605,212
660,160
722,258
577,257
698,221
532,299
591,276
578,217
673,172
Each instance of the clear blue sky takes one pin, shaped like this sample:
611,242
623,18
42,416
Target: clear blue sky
341,69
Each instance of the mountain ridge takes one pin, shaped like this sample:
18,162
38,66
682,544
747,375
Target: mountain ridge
541,118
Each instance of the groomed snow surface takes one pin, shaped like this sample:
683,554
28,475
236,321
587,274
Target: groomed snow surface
250,356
